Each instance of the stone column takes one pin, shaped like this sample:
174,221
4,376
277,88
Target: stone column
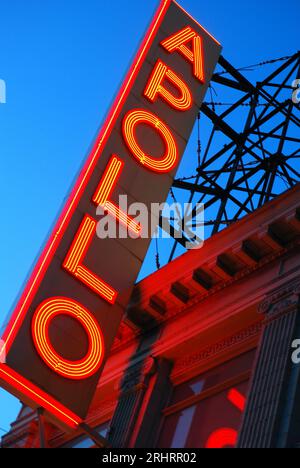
144,393
132,392
267,419
157,398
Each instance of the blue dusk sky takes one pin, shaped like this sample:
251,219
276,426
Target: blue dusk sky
62,62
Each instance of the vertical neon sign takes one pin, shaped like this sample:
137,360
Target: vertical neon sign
64,324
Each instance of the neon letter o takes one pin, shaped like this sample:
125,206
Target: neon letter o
130,123
76,370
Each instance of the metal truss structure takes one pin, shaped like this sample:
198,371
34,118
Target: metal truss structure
248,149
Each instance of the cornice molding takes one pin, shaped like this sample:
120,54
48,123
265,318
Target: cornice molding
22,433
192,364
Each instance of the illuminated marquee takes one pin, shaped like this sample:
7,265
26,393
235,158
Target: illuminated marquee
64,324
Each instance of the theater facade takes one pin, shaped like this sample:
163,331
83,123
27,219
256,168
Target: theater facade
203,357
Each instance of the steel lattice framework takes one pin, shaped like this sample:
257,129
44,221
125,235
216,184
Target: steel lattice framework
248,149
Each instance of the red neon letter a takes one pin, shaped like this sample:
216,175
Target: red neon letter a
179,41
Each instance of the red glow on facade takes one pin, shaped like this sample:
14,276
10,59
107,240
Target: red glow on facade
227,437
155,88
222,438
73,262
178,42
237,399
42,319
104,191
138,117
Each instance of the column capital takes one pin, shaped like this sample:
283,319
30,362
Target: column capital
136,376
281,301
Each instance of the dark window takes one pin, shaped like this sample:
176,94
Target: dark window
207,411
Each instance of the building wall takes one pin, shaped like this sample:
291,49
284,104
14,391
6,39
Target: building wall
203,355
